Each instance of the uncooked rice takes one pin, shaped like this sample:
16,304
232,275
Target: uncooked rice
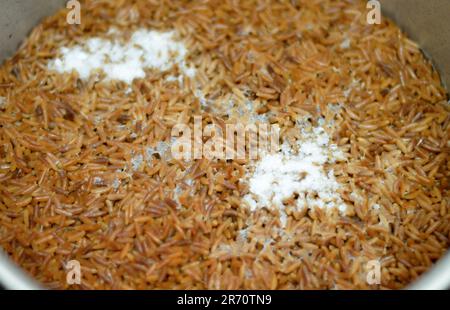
77,181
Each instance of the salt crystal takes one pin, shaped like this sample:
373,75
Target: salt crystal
346,43
98,181
248,274
116,183
243,235
162,148
201,97
336,108
376,207
189,182
136,162
173,78
281,176
124,61
149,151
347,93
283,218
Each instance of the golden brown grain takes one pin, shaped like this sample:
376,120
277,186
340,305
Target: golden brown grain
68,189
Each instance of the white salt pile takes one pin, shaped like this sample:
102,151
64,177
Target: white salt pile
124,61
288,174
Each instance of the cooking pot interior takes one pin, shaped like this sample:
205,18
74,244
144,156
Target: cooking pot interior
426,22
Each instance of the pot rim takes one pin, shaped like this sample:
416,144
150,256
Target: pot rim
12,277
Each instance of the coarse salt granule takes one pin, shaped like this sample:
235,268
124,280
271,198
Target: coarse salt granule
283,175
98,181
136,162
346,43
116,184
124,61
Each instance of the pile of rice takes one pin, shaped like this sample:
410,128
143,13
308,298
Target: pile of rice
86,172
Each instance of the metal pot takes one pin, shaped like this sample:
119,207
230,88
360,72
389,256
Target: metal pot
425,21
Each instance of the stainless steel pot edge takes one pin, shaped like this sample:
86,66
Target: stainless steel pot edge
437,278
17,18
13,278
414,16
427,23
